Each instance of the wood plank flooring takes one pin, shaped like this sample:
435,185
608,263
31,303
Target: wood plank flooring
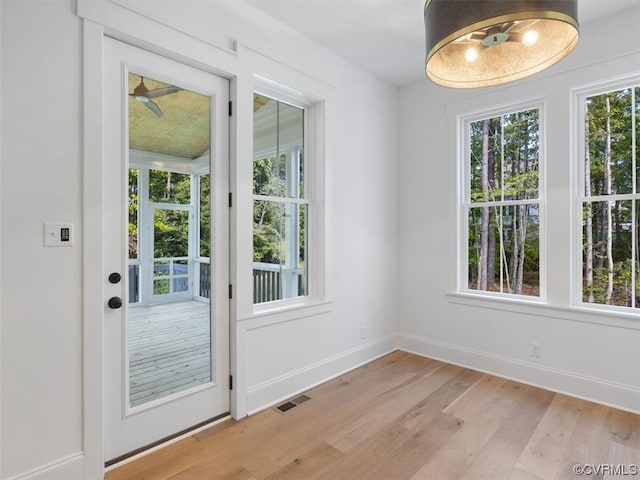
406,417
169,349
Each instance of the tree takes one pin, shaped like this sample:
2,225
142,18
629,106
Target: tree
269,179
170,227
484,225
607,205
608,248
588,212
502,234
133,213
205,215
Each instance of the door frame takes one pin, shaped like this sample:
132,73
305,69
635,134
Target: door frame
95,284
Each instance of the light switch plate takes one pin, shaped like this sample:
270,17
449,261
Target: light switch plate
58,234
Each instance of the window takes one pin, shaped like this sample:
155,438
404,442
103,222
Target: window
610,197
502,204
281,205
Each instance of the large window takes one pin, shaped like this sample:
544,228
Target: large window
502,204
610,198
280,201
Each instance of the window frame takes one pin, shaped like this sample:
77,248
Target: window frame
578,98
464,203
314,194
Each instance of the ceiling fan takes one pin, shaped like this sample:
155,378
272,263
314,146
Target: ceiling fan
143,95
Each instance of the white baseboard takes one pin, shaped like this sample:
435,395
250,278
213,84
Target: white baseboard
601,391
286,386
69,468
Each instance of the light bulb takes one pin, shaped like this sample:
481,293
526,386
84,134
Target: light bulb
530,38
471,55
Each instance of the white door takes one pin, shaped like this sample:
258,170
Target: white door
165,237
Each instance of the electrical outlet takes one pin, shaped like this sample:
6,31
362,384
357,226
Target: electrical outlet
536,349
363,332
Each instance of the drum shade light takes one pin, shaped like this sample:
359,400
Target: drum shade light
480,43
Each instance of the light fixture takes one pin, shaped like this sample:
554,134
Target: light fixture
479,43
471,55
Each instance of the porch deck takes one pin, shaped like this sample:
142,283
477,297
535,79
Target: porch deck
169,349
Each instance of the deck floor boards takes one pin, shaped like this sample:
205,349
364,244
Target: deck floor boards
169,349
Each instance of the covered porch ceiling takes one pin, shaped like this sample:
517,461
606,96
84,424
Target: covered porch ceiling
182,131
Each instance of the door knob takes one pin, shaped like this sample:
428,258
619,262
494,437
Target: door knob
115,302
115,277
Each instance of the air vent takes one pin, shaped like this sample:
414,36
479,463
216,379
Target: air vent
300,399
286,406
289,404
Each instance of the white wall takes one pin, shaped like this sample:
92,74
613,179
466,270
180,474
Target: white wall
1,150
42,164
585,354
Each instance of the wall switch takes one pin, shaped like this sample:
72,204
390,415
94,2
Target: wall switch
536,349
58,234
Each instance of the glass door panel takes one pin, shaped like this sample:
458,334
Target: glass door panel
169,321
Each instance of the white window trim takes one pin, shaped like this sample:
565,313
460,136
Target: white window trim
314,139
579,95
463,204
625,320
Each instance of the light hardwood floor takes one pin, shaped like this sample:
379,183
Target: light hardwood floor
406,417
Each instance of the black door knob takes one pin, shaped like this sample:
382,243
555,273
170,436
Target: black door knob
115,277
115,302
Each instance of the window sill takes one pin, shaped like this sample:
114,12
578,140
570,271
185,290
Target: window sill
286,310
584,314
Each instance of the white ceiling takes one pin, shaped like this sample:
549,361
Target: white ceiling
385,37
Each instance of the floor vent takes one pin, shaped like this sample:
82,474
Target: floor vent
300,399
288,405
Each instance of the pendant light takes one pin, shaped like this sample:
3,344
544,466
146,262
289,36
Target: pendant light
480,43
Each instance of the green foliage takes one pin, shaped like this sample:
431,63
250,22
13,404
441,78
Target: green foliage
133,212
270,218
170,226
268,232
269,178
171,233
205,215
620,119
169,187
622,273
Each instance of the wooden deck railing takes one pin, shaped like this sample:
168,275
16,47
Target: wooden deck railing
267,282
268,285
204,279
134,282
